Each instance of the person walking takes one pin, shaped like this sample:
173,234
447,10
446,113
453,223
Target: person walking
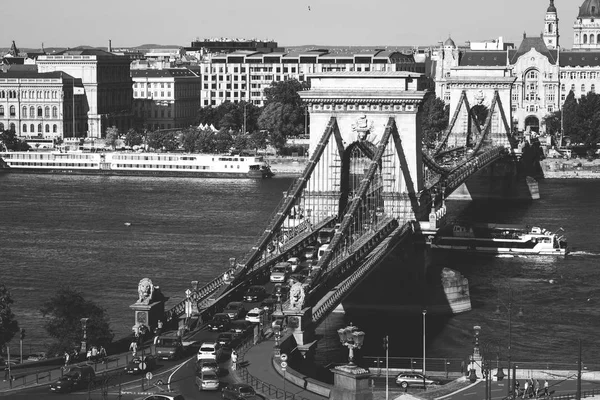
517,388
546,387
525,388
133,347
103,354
67,358
536,388
234,358
89,354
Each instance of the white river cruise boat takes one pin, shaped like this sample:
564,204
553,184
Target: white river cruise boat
500,239
130,163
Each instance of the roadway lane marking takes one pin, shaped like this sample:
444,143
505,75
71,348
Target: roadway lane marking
469,394
175,371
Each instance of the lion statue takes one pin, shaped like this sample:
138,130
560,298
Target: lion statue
297,296
145,291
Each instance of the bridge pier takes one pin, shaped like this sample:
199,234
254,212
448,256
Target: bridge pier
501,180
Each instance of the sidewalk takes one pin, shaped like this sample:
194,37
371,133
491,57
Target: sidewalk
40,376
257,362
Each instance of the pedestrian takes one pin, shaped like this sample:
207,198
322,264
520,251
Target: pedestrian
94,353
517,388
546,387
536,387
89,354
159,327
133,347
525,388
66,358
6,373
234,358
103,354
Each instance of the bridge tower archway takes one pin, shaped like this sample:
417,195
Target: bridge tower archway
349,115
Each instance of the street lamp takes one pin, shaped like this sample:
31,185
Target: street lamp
352,338
424,313
508,307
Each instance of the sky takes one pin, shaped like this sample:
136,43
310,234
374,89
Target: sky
128,23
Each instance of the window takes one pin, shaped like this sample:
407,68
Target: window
47,128
2,112
573,87
563,87
24,128
24,112
39,114
47,112
54,128
54,112
12,111
593,88
582,88
39,128
31,128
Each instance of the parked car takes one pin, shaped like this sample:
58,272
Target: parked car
77,377
255,293
255,315
228,339
137,366
409,379
237,391
164,396
242,328
279,272
220,322
208,380
209,351
234,309
207,365
268,304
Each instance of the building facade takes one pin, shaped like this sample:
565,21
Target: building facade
41,105
107,84
165,98
544,73
586,29
244,75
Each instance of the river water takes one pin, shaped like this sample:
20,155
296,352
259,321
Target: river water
101,235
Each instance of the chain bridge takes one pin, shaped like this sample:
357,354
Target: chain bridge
370,179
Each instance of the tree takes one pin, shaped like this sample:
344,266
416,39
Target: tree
188,139
12,142
552,123
205,143
223,141
588,114
285,92
154,140
258,140
281,121
8,324
133,138
569,115
434,118
112,136
63,313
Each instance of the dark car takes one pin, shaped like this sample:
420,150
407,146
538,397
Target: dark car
77,377
242,328
268,304
139,365
220,322
235,310
411,379
255,293
237,391
228,339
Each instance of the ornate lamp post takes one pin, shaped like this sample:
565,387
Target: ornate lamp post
476,356
508,307
84,340
352,338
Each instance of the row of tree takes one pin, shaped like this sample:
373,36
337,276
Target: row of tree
63,313
581,119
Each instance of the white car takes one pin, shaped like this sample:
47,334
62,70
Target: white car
208,381
255,315
294,263
208,351
279,274
410,379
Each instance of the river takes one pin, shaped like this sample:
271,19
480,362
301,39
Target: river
101,235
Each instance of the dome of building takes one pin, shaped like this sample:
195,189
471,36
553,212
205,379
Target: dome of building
589,9
551,8
449,43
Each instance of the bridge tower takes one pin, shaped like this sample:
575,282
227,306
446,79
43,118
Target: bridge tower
350,113
479,107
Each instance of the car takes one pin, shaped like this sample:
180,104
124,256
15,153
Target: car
137,366
294,263
322,251
234,309
207,365
220,322
298,278
77,377
242,328
36,357
208,380
237,391
255,315
209,351
310,253
280,290
168,347
410,379
228,339
255,293
164,396
279,272
268,304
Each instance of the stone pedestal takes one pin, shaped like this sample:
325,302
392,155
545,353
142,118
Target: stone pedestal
350,382
299,323
148,314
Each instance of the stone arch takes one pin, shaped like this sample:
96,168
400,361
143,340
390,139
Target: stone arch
585,38
533,122
356,156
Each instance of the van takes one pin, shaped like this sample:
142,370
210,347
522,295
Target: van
168,347
325,235
77,377
322,250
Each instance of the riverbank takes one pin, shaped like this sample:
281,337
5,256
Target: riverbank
576,168
287,167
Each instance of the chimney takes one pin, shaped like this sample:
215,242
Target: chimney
109,46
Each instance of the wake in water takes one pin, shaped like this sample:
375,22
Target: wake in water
583,253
